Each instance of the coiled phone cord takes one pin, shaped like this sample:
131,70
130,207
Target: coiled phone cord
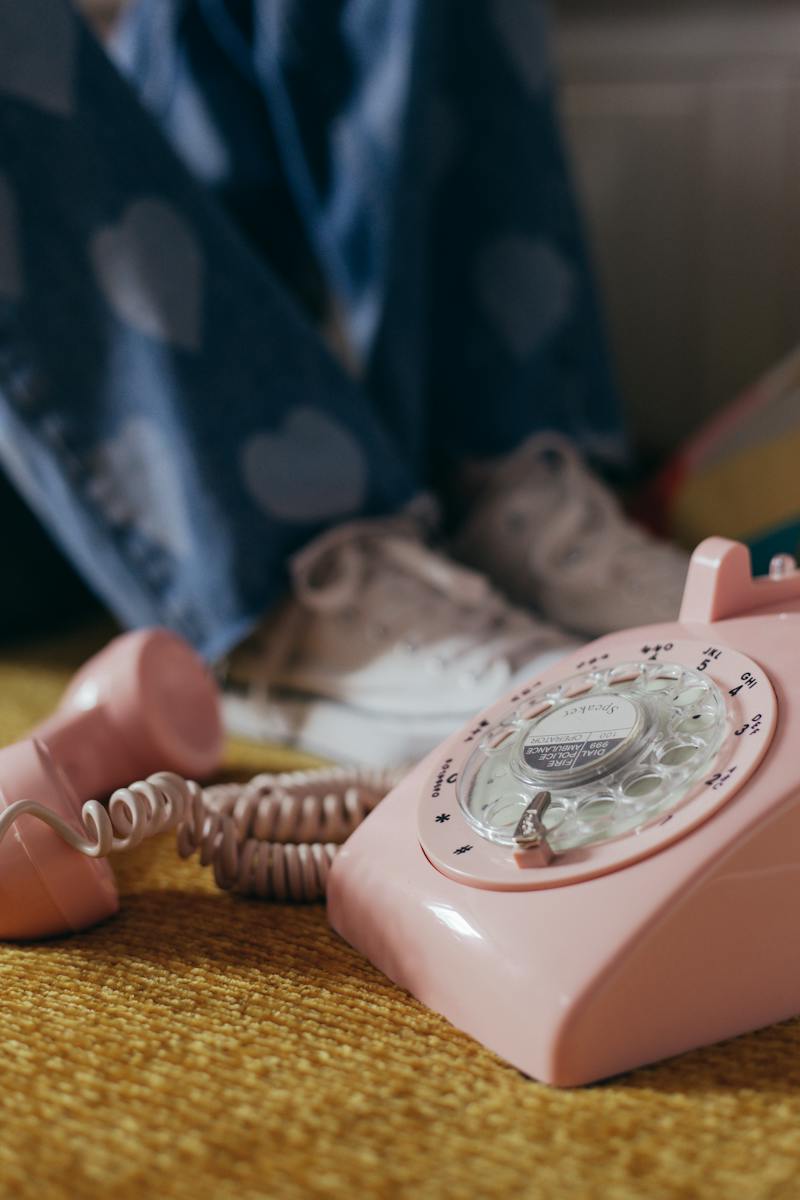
279,834
274,837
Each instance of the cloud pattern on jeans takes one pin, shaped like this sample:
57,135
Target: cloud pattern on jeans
526,290
310,469
149,267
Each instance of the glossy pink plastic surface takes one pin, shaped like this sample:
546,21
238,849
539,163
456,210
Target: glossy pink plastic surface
143,704
694,943
46,887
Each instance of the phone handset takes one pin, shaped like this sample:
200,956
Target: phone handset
146,708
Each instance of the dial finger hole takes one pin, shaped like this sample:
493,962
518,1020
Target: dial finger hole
579,689
498,772
496,738
697,723
676,756
598,808
553,816
659,683
689,696
641,786
624,675
504,812
533,708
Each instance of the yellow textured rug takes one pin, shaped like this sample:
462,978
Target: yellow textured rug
203,1047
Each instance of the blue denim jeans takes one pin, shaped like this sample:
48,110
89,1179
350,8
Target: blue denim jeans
175,244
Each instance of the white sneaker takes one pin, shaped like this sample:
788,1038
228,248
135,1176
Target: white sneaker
551,536
382,650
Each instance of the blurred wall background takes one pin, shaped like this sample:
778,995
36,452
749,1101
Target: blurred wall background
684,122
683,118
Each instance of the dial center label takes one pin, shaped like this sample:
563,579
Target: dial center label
580,734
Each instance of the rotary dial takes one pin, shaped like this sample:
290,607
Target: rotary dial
597,766
614,749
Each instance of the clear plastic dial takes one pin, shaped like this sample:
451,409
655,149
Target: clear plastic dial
614,750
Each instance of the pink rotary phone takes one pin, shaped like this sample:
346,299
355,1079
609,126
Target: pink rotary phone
603,869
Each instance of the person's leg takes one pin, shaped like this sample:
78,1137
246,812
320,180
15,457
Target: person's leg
164,406
520,386
331,108
421,145
190,63
382,642
516,340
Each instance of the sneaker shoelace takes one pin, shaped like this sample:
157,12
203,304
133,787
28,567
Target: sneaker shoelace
430,598
580,528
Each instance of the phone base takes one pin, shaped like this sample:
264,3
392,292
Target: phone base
574,983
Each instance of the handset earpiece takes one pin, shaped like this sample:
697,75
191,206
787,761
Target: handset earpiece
145,703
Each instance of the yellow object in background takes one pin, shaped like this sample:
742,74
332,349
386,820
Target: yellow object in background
740,475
